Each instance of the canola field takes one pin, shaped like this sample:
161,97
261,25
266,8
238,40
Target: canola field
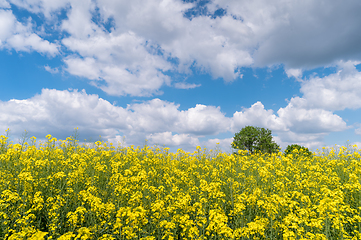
61,190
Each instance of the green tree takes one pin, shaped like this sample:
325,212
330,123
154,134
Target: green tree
300,150
255,139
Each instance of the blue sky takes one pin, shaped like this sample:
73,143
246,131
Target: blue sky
181,73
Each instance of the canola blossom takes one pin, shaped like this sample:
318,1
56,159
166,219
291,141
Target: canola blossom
61,190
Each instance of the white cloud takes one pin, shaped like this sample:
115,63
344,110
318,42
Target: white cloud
4,4
183,85
59,112
7,23
294,72
203,120
48,7
301,120
336,91
170,140
132,56
311,141
157,115
51,70
27,42
213,45
83,67
358,131
221,144
256,115
127,58
15,35
161,122
153,116
292,124
123,62
299,34
78,23
127,62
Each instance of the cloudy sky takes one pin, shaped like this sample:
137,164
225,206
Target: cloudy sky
182,73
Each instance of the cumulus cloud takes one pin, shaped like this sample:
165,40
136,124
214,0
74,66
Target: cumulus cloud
161,122
203,120
123,62
153,116
18,36
299,34
58,112
83,67
78,23
28,42
257,115
336,91
130,45
157,115
170,140
301,120
292,123
214,45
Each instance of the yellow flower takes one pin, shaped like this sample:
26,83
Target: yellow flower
39,235
67,236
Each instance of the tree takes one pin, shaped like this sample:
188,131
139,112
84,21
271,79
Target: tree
255,139
296,149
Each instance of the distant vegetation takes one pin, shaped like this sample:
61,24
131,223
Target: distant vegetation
255,139
296,149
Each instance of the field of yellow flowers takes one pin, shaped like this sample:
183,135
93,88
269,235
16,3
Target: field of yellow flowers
61,190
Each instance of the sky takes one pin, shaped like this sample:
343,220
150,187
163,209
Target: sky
181,73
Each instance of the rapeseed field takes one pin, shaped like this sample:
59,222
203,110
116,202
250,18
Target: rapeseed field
61,190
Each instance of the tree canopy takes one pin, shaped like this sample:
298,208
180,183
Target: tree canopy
255,139
296,149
